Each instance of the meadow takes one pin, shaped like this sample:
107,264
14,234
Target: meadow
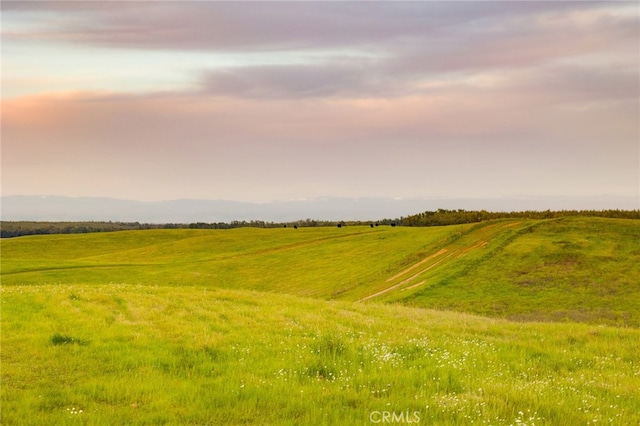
503,322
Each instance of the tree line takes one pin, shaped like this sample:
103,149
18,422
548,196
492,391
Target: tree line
443,217
9,229
440,217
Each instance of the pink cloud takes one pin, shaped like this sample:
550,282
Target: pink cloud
538,91
213,145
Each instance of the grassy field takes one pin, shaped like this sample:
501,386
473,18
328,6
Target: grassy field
569,269
127,354
325,325
318,262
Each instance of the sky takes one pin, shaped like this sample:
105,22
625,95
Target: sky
264,101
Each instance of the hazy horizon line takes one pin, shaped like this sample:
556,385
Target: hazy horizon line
337,197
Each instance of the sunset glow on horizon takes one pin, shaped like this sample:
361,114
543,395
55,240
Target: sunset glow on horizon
266,101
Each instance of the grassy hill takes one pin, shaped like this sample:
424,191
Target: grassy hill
307,261
577,269
325,325
569,269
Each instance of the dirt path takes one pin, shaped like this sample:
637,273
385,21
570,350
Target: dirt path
479,244
509,225
457,249
411,278
426,259
401,283
422,282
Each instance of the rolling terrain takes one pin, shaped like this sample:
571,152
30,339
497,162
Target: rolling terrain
325,325
582,269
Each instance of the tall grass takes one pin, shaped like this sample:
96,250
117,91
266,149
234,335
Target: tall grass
191,355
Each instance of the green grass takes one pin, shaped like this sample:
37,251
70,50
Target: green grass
319,262
192,355
325,325
570,269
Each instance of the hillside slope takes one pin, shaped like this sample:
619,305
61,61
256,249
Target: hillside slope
307,261
577,269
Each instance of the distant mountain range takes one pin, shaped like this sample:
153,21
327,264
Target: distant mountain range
56,208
